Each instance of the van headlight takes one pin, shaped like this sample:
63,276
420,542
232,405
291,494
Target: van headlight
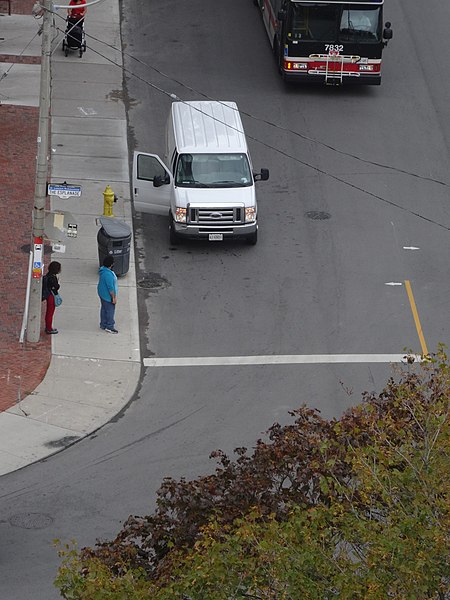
180,215
250,214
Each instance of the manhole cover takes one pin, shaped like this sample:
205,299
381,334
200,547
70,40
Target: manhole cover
318,215
30,520
153,281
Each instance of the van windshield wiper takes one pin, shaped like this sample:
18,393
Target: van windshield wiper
193,183
229,183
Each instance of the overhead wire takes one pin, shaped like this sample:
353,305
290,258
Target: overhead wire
291,131
173,96
275,125
281,127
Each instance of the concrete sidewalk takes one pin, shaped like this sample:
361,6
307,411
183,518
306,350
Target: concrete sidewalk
92,374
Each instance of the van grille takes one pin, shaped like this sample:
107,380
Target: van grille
219,216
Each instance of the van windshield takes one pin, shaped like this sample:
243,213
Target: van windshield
213,170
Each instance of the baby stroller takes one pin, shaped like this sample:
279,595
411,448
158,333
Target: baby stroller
74,37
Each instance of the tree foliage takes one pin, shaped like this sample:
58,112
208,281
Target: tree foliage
355,507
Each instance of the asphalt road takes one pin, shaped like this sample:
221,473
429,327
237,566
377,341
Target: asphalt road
310,286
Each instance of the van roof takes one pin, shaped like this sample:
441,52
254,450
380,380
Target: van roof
208,126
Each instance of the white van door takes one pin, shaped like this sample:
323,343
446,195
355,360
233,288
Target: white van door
147,197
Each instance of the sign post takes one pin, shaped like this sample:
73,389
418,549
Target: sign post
40,190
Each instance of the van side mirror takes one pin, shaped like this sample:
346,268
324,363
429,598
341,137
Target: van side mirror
387,32
158,181
263,176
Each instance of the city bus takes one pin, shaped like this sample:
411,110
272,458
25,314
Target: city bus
329,41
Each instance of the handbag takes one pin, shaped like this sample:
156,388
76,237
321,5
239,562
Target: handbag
58,299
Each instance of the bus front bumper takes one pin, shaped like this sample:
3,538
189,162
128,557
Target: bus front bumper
337,78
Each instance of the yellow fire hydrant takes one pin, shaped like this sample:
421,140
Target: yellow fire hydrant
108,201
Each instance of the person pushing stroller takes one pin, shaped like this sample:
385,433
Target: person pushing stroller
77,13
74,36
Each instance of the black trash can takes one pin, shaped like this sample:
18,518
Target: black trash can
114,239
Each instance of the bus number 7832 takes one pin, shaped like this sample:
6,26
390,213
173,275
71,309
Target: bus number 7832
332,41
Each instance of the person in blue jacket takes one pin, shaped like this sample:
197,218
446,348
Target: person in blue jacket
107,290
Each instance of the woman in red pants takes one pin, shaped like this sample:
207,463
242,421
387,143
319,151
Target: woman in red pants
52,287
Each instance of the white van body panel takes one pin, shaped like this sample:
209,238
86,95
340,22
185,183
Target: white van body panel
206,144
207,127
244,196
147,198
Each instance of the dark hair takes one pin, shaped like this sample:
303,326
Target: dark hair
108,261
54,267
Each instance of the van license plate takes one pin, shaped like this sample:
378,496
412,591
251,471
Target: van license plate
215,237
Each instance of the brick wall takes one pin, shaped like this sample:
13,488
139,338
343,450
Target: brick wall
22,366
18,7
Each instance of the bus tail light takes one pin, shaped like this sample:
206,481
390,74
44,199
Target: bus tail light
295,66
375,67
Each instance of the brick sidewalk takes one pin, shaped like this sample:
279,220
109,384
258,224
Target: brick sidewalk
17,7
23,366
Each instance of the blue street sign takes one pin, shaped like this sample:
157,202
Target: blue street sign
63,190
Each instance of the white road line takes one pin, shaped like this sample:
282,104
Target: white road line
286,359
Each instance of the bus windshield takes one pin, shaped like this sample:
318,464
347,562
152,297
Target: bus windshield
358,24
213,170
334,23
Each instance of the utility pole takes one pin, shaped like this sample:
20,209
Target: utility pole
40,190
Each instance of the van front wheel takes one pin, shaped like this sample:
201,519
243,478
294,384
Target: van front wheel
174,239
253,238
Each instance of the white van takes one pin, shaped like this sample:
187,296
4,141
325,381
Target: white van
206,182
